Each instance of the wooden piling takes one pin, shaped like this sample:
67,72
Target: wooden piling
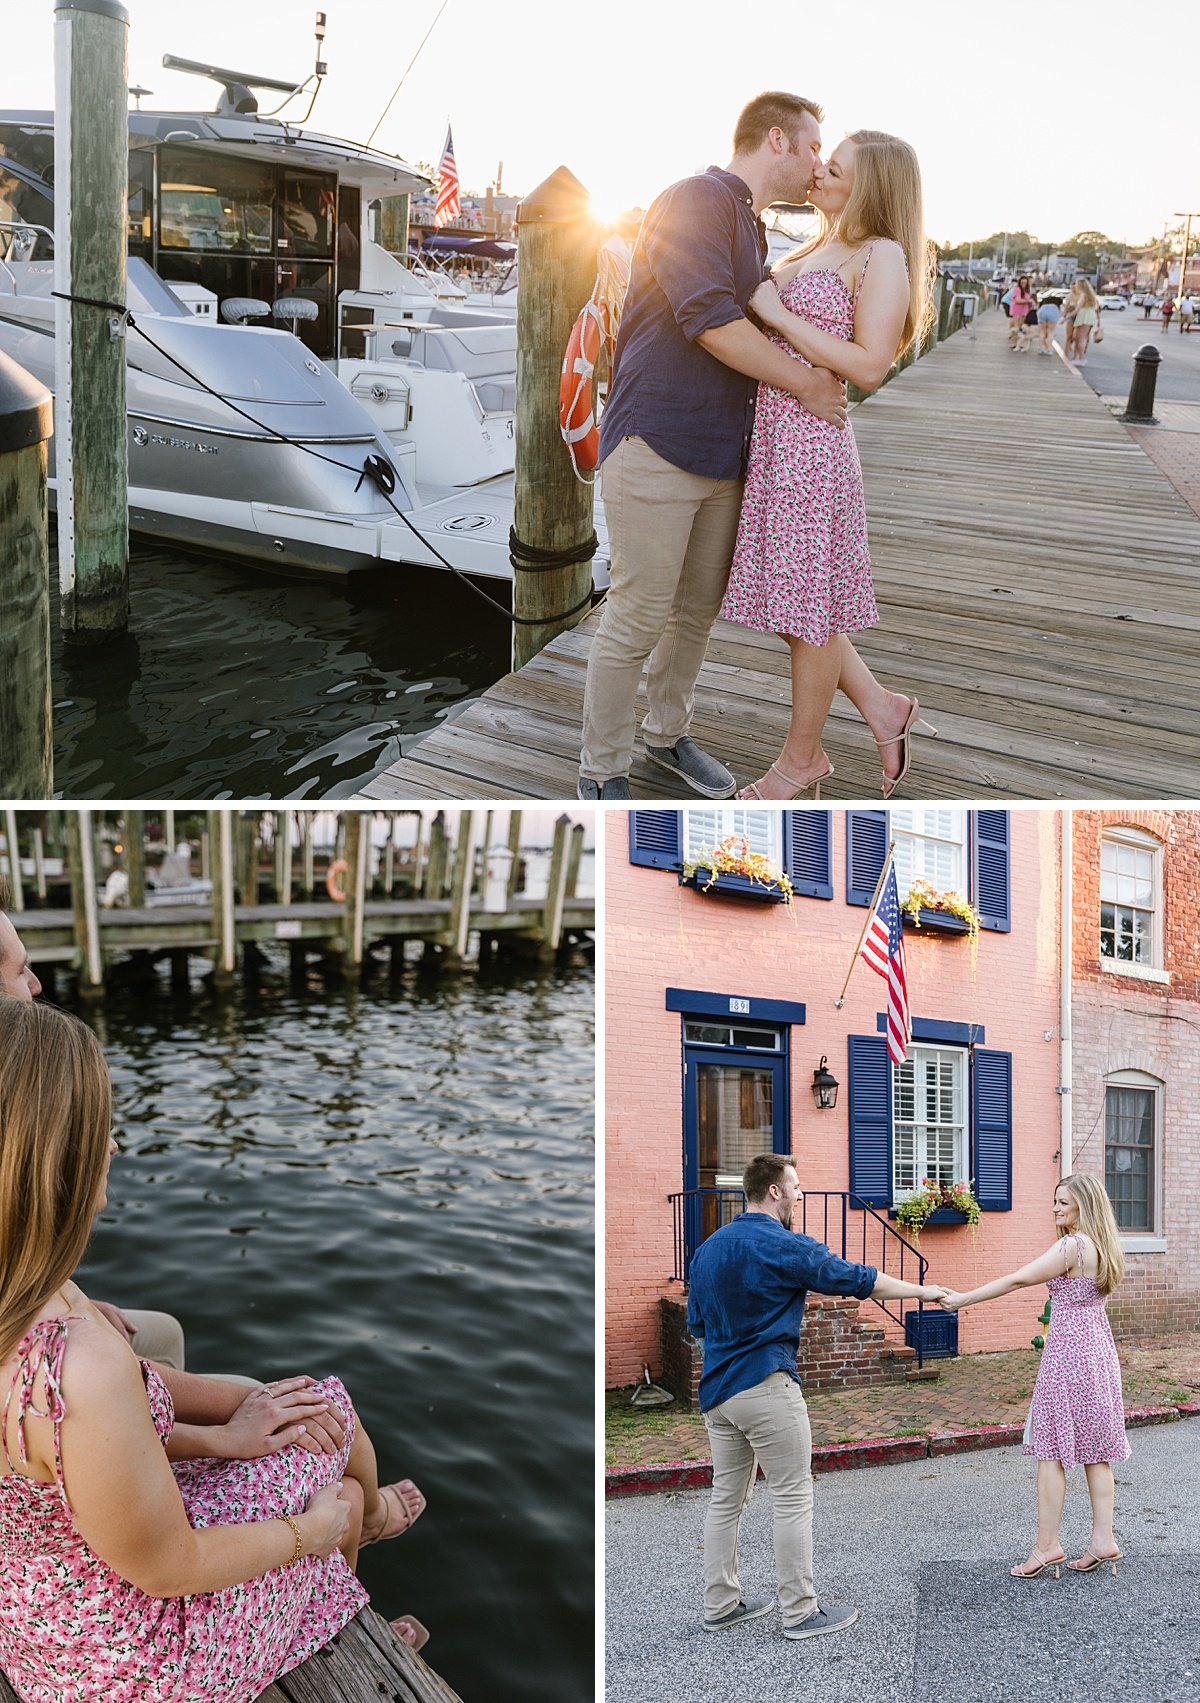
39,863
358,839
558,246
26,757
574,859
134,826
556,882
220,833
435,869
91,171
306,845
514,846
85,904
283,857
12,858
393,225
460,890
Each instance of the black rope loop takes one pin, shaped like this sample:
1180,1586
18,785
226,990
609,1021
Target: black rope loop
91,301
381,473
532,559
546,620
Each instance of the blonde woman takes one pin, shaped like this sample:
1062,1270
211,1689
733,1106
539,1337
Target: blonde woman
852,301
1086,319
1077,1415
150,1548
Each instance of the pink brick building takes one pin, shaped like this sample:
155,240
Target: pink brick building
1136,1042
720,1007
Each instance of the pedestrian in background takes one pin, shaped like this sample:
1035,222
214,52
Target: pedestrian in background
1020,306
1187,311
1048,316
1086,319
1167,309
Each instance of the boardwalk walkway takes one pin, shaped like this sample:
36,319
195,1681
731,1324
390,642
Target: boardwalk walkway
1038,581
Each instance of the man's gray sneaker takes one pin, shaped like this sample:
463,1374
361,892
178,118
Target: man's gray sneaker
694,767
833,1619
596,792
739,1612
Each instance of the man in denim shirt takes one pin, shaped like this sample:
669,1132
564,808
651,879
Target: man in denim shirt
674,437
747,1287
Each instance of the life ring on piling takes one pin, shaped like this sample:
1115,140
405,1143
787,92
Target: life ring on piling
576,399
339,866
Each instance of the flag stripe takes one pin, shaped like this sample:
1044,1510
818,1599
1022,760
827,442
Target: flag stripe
448,204
883,951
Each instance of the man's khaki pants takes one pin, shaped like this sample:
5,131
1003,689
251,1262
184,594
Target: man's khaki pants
671,535
769,1422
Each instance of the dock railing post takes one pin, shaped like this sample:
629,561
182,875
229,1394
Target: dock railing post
220,834
85,904
12,858
514,846
556,882
460,890
554,511
435,871
39,862
283,857
306,848
358,840
91,160
135,857
26,732
574,859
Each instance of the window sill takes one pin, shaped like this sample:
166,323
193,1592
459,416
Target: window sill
1137,972
1143,1244
937,922
732,887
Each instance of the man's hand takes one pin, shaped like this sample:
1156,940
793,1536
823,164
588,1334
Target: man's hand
279,1414
951,1301
933,1292
822,392
117,1319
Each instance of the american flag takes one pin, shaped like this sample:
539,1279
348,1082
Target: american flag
883,950
448,204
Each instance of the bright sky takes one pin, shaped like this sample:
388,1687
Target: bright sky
1072,119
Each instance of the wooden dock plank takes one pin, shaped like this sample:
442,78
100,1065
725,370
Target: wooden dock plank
1037,579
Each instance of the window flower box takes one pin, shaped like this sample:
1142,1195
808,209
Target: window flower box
943,1215
936,1203
938,922
733,869
733,886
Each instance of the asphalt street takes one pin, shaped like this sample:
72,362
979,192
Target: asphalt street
924,1549
1109,365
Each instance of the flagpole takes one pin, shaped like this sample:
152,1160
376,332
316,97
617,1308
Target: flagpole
841,998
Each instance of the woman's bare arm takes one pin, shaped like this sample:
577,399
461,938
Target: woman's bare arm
1050,1264
123,1495
879,317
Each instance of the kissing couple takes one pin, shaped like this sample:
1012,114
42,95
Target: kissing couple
730,477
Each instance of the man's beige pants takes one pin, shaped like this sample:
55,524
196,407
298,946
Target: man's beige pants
671,536
770,1423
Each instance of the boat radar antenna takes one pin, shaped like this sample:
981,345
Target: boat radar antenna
137,92
237,86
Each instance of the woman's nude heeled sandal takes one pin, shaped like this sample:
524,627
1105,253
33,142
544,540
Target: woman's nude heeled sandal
1083,1565
751,791
1021,1572
914,723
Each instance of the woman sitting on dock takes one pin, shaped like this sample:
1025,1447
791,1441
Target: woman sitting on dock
853,300
150,1547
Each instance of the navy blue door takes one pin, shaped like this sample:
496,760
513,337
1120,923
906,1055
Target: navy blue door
735,1104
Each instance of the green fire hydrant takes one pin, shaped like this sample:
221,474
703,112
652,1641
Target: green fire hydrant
1039,1341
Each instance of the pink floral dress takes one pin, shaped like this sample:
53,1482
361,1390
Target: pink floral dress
801,563
73,1631
1077,1415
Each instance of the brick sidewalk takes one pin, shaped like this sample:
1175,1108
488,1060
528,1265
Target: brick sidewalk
972,1391
1175,453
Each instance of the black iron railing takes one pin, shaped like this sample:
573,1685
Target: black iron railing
844,1223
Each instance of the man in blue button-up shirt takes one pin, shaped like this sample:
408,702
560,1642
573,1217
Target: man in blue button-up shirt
747,1287
674,436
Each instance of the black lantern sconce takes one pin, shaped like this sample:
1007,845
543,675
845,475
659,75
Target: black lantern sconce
824,1087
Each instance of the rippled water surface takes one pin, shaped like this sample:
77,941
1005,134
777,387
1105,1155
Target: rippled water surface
234,684
396,1186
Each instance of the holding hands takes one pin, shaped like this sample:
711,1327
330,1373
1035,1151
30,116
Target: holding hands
951,1301
280,1413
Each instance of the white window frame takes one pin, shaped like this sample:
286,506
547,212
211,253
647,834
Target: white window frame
769,823
1141,1241
918,1055
914,827
1155,970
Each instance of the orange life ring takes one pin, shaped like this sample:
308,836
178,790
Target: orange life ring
339,866
576,404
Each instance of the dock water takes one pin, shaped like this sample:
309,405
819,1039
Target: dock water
1037,580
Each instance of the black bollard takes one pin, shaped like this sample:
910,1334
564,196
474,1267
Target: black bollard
1139,410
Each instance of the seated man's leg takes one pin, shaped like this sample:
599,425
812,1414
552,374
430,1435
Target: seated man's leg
650,507
157,1336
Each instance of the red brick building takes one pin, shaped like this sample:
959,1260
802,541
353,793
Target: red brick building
1135,1077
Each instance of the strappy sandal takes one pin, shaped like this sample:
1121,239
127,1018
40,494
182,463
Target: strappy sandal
1083,1565
751,791
914,723
402,1623
399,1516
1023,1571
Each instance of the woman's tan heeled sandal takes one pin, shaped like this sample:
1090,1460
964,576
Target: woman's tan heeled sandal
1023,1571
1083,1565
914,723
751,791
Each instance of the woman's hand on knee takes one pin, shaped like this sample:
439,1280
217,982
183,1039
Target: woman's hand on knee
282,1413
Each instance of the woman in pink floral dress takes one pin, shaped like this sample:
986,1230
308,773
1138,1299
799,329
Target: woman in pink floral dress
150,1548
1077,1415
851,301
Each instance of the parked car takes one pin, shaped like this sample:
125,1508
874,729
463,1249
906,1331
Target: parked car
1057,294
1114,304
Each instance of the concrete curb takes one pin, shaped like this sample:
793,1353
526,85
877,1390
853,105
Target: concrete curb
874,1451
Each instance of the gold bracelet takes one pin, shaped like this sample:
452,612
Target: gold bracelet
299,1551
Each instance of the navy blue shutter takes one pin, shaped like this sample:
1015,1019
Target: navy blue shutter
991,848
991,1119
866,848
870,1120
808,852
656,838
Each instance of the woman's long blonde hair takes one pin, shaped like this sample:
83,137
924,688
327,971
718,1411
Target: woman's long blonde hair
1083,285
55,1117
886,201
1096,1221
